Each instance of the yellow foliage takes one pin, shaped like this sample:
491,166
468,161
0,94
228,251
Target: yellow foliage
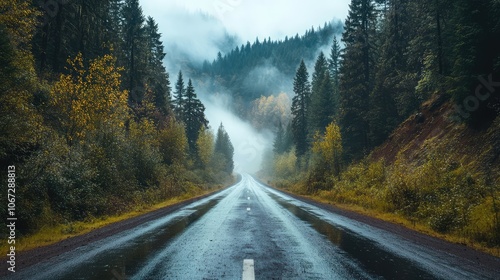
285,164
270,110
173,143
20,19
205,145
90,99
329,147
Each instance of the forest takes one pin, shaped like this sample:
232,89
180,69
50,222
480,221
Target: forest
91,121
391,118
395,111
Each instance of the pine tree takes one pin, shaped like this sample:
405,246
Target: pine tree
357,77
179,97
475,53
194,116
300,109
334,69
225,149
391,78
320,68
334,62
322,106
158,78
134,39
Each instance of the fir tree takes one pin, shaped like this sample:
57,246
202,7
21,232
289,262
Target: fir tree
300,109
179,96
322,107
224,148
357,77
334,69
158,78
193,116
134,35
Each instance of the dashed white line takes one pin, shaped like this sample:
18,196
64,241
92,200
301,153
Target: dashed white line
248,270
248,209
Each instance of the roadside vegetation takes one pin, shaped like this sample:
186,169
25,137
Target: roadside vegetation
403,121
92,125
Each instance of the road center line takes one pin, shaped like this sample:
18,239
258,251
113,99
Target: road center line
248,270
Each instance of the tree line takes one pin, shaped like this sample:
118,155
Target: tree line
232,70
393,57
88,115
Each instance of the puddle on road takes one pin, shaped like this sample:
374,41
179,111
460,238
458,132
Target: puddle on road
122,262
363,251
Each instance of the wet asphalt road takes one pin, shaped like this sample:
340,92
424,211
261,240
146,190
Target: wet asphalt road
285,238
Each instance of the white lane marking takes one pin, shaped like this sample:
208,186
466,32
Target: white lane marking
248,271
248,209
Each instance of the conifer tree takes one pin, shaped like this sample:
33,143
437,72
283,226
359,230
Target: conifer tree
300,109
134,35
357,76
179,96
158,78
322,106
224,148
334,69
194,116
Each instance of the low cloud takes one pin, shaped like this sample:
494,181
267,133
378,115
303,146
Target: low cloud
249,145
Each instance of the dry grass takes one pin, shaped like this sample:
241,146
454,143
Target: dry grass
414,225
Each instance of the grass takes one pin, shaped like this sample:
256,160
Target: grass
51,235
399,219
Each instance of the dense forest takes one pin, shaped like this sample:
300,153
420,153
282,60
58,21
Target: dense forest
265,68
396,63
95,125
88,115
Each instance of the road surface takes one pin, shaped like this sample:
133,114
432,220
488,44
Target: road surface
250,230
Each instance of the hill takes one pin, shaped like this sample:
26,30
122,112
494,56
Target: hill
263,68
433,174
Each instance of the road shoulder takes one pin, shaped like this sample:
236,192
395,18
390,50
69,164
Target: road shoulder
467,254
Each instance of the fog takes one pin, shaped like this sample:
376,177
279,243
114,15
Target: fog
249,144
196,30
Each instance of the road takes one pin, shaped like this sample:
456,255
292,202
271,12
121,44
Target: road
251,230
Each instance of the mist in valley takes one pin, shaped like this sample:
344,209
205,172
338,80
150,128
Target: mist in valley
194,32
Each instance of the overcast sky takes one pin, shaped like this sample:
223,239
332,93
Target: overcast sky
247,19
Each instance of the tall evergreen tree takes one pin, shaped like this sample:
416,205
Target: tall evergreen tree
224,148
475,53
334,62
391,78
334,69
179,96
134,39
357,76
158,78
322,106
300,109
194,116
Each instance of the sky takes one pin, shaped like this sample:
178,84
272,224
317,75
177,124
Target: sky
194,30
255,18
179,20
